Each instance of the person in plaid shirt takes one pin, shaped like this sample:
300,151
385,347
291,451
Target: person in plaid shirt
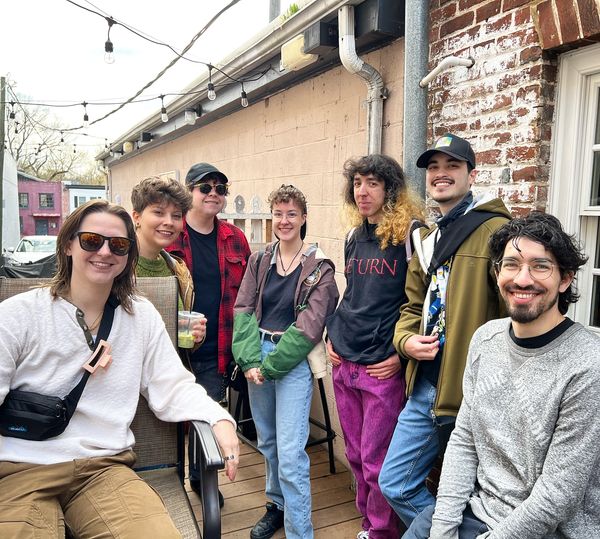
216,253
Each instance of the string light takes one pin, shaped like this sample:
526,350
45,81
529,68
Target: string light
244,97
211,94
86,118
11,116
163,111
62,137
109,56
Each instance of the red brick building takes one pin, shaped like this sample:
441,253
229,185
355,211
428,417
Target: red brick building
531,107
40,205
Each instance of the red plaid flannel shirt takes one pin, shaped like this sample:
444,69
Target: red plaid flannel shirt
233,252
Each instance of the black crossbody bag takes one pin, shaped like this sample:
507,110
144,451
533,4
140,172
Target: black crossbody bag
31,416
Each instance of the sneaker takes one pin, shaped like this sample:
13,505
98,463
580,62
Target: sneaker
268,524
195,485
362,534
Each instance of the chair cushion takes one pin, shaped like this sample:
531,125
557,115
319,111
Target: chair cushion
166,482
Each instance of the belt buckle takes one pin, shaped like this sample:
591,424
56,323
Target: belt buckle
273,336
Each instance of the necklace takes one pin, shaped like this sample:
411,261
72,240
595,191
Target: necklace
95,323
285,270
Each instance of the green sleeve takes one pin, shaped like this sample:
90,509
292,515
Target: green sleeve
292,348
246,341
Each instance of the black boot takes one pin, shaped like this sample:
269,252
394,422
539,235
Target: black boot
269,524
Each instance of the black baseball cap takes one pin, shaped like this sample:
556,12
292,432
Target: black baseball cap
200,170
451,145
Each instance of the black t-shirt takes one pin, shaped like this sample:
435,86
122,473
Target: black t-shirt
362,327
278,299
207,289
541,340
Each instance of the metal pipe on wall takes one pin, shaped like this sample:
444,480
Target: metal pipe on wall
373,79
416,55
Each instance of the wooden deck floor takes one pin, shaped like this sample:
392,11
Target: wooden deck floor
334,514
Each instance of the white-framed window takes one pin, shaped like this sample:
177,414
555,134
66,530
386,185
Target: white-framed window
575,174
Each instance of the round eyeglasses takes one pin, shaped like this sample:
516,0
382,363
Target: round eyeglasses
538,269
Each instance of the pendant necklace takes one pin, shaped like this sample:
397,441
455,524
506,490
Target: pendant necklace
285,270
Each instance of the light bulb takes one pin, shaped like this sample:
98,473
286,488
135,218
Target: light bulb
244,99
163,115
212,95
86,120
109,56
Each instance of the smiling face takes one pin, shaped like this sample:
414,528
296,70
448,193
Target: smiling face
210,204
158,226
100,268
287,221
531,302
448,180
369,195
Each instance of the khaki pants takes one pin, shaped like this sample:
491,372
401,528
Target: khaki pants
96,497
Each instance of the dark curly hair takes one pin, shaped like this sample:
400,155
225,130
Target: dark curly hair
547,230
400,206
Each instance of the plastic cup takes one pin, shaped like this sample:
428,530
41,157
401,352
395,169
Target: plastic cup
185,323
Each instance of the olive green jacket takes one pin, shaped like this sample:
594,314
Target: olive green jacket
317,274
472,298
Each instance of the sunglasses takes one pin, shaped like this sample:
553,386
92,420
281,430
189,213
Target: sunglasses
92,242
206,188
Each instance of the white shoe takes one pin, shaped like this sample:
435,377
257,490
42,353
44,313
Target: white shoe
363,534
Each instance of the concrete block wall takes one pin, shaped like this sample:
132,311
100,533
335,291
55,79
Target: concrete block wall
301,136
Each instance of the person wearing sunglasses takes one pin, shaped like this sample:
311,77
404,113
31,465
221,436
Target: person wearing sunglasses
82,479
159,205
216,253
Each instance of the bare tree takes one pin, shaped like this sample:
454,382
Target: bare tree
35,140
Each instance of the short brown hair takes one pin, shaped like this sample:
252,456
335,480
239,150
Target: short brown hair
289,193
124,285
157,190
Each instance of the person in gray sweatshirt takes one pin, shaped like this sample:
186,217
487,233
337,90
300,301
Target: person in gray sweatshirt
524,459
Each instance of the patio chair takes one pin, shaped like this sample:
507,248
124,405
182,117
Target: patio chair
160,446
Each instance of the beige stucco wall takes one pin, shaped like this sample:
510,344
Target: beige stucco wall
301,136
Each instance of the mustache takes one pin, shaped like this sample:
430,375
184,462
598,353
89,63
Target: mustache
530,288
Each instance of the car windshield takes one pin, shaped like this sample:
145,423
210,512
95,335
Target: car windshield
29,245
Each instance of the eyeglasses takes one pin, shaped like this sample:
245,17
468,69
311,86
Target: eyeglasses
538,269
91,241
290,216
205,188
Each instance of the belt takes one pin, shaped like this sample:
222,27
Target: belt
271,336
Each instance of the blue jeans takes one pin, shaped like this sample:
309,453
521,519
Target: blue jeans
471,526
281,409
412,453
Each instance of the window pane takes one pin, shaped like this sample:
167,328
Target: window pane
595,194
595,312
597,137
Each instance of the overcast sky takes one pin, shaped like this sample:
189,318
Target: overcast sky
53,52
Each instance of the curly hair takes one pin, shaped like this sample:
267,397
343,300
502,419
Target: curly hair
546,230
401,205
157,190
289,193
124,284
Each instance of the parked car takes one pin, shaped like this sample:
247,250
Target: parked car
31,249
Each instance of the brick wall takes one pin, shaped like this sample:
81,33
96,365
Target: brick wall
505,103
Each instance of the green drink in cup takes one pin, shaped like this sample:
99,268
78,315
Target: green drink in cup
185,324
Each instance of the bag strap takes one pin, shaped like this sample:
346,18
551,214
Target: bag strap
258,260
108,315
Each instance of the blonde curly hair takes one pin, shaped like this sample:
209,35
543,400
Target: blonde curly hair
401,204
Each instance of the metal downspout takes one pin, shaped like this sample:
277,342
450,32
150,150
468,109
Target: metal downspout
416,55
373,79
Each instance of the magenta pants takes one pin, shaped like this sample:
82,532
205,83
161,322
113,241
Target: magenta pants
368,409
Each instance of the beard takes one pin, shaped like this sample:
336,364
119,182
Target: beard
524,314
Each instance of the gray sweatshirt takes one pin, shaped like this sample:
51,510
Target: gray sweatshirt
525,450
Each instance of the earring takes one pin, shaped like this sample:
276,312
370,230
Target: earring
137,225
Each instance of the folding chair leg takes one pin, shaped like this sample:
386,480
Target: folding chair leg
328,430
